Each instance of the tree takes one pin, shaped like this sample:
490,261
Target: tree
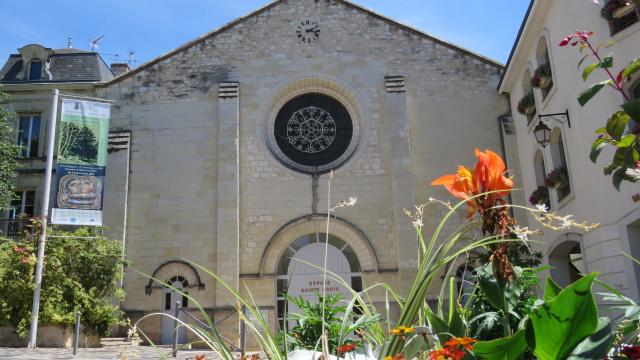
9,154
86,145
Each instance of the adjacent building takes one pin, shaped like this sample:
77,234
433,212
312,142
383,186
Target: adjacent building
582,189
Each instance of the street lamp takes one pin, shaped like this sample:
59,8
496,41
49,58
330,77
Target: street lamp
542,132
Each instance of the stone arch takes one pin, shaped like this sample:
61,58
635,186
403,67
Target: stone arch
322,84
561,255
174,269
301,226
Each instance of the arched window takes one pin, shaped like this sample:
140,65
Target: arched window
296,277
558,177
541,193
35,69
543,71
567,263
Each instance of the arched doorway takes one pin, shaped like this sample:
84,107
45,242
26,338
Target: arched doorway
566,261
170,300
296,277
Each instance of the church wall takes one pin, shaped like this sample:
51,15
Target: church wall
449,106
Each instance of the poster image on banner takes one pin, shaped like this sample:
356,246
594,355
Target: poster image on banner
81,163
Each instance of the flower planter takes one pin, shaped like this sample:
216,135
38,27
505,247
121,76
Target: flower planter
48,336
546,82
621,12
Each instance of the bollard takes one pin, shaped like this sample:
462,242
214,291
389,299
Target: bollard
175,334
243,332
76,334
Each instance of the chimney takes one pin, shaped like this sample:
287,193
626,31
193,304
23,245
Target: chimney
119,68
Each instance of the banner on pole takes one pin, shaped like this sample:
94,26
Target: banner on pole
81,163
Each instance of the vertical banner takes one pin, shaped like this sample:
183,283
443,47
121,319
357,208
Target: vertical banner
81,163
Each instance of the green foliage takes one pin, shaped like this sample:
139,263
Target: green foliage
9,154
79,274
507,348
308,329
77,141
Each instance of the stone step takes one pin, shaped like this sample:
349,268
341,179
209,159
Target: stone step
114,342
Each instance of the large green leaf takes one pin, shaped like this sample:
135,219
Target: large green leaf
633,109
626,140
597,345
456,326
616,124
607,62
617,178
586,95
501,294
552,289
438,326
562,322
508,348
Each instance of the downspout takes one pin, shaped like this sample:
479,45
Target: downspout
503,149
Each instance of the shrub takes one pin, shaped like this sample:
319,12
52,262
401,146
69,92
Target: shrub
81,272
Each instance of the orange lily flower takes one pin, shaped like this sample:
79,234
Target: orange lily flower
487,175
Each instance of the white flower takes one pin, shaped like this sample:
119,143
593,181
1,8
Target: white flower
541,208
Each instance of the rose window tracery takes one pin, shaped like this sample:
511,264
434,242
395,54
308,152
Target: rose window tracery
311,130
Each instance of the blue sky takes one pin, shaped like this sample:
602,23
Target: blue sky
153,27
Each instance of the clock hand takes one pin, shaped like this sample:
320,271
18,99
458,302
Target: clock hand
312,29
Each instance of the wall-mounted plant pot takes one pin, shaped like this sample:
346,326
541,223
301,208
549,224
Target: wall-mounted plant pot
546,82
617,14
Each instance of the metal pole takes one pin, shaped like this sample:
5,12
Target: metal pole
243,331
76,335
175,334
43,224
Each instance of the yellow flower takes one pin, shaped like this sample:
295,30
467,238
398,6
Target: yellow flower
401,330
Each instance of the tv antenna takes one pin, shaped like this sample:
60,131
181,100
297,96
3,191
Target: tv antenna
94,43
131,53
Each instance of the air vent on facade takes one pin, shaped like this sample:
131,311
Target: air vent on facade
228,90
394,83
119,140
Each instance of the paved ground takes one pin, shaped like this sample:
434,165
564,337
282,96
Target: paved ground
130,353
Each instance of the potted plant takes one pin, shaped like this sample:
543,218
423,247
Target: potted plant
557,177
539,196
542,77
527,104
615,9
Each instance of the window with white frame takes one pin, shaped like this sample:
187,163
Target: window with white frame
29,134
542,77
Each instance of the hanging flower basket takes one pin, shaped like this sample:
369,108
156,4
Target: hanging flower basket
527,104
615,9
542,77
539,196
557,177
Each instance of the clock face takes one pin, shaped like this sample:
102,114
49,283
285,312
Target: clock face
308,31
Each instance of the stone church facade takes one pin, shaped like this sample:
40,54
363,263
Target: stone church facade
224,148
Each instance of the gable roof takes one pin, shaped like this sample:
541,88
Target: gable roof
277,2
67,65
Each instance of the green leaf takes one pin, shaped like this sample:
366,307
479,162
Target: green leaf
616,124
588,70
508,348
502,295
586,95
438,326
596,149
617,178
582,60
632,68
626,141
413,345
597,345
601,130
606,62
633,109
562,322
552,289
456,326
630,157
